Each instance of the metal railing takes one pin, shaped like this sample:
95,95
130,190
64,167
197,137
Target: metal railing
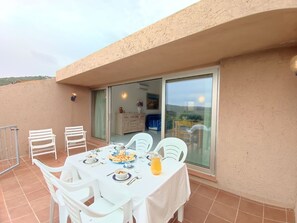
9,148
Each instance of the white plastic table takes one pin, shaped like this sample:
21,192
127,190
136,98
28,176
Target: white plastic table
154,198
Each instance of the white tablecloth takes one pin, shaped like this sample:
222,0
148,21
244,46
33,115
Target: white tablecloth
155,198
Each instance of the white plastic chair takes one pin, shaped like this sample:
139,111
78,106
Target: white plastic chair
110,204
42,142
173,148
75,137
56,196
143,142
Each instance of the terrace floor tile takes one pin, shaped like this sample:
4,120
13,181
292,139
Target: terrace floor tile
24,197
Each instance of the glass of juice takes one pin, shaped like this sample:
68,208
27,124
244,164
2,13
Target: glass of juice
156,166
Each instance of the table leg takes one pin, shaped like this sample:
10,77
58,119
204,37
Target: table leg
180,213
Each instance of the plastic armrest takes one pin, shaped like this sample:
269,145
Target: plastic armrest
77,185
55,169
115,207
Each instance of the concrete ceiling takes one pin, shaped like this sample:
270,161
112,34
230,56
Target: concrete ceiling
257,32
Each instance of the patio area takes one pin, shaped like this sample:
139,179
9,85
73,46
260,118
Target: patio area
24,198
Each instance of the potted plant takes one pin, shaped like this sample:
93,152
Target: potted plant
139,105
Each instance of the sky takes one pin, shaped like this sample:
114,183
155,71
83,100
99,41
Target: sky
190,92
39,37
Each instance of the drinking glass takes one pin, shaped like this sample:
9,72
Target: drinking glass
156,166
128,165
111,147
141,154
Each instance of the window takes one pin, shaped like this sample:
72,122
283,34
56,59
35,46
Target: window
190,114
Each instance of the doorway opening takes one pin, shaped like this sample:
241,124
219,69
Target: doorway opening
134,108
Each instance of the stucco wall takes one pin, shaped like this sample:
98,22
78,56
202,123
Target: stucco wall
295,210
256,149
201,16
43,104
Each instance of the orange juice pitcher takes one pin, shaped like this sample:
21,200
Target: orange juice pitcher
156,166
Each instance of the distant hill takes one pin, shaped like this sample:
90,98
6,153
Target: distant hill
15,80
178,110
195,113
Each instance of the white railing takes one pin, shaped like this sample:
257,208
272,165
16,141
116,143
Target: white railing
9,148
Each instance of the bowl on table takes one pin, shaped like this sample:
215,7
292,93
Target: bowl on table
91,158
121,174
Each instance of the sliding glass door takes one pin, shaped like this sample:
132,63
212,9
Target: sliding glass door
99,114
190,114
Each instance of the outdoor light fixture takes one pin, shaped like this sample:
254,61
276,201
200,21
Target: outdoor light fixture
293,65
73,97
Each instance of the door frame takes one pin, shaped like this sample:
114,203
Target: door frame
215,71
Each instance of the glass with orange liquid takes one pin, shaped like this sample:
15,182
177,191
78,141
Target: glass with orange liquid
156,166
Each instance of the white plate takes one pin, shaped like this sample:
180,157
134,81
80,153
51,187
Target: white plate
91,161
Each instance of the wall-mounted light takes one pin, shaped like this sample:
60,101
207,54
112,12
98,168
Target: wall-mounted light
293,65
124,95
73,97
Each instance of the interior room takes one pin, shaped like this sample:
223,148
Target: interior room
136,107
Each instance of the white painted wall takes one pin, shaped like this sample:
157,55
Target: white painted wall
134,94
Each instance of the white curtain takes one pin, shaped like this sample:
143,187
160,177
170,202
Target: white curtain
99,124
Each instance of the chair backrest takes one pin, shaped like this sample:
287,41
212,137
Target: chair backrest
173,148
74,131
42,134
143,141
75,207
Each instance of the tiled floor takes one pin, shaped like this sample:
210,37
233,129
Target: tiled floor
24,198
210,205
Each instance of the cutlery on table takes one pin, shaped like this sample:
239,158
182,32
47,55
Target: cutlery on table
133,180
110,174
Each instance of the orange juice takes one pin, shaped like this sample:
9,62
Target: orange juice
156,166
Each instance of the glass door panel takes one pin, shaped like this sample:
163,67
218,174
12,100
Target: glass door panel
188,116
99,114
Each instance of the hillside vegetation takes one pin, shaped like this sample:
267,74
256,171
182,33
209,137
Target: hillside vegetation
15,80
